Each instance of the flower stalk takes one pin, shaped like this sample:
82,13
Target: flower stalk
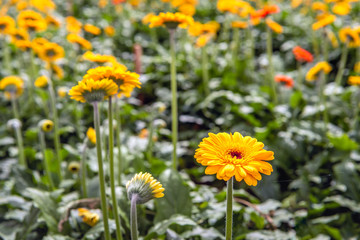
229,209
205,72
83,169
235,46
19,138
343,58
269,51
56,127
112,171
133,218
45,160
104,208
118,138
174,107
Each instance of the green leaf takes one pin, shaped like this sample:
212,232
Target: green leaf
177,196
295,99
258,220
343,142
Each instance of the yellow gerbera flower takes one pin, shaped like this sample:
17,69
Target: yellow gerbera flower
171,20
41,82
51,52
62,91
12,85
203,40
43,5
341,8
91,135
52,21
354,80
357,67
311,75
82,42
46,125
239,24
38,44
31,20
187,9
126,80
24,45
88,217
145,186
110,31
350,37
7,24
274,25
89,90
228,155
18,35
90,56
319,6
92,29
73,25
324,21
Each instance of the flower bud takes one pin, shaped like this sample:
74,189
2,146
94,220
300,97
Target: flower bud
74,167
91,135
14,124
46,125
145,187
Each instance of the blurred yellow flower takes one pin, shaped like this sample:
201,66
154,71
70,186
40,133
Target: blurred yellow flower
228,155
171,20
350,37
58,71
7,24
296,3
354,80
43,5
62,92
110,31
203,40
239,24
24,45
31,20
41,81
52,21
341,8
82,42
146,19
334,41
92,29
312,74
324,21
91,135
13,86
319,6
46,125
357,67
73,25
74,167
51,52
38,44
90,56
274,25
88,217
187,9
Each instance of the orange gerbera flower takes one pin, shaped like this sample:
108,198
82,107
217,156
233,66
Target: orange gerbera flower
287,81
274,25
228,155
302,55
171,20
264,12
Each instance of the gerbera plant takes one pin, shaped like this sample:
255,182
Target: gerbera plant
232,156
171,21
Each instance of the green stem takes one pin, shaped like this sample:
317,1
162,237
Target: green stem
46,161
251,54
7,56
101,172
229,209
323,98
174,110
56,127
150,141
118,139
19,138
356,109
205,72
133,217
343,58
299,76
315,44
325,47
32,73
269,51
112,171
83,170
235,46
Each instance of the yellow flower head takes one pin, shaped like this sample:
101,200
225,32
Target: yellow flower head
51,52
59,72
171,20
12,85
74,167
229,6
90,56
187,9
239,24
198,28
19,35
41,81
7,24
228,155
311,75
46,125
24,45
62,91
350,37
274,25
341,8
88,217
52,21
43,5
324,21
82,42
145,187
334,41
110,31
296,3
146,19
357,67
73,25
38,44
92,29
203,40
354,80
319,6
31,20
91,135
126,80
89,90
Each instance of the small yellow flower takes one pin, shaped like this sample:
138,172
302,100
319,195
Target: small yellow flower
90,56
357,67
350,37
38,44
274,25
145,187
73,25
228,155
74,167
24,45
334,41
324,21
43,5
7,24
296,3
354,80
51,52
341,8
187,9
89,90
82,42
13,86
52,21
203,40
171,20
92,29
319,6
62,92
41,82
239,24
320,66
88,217
59,72
19,35
146,19
31,20
110,31
46,125
91,135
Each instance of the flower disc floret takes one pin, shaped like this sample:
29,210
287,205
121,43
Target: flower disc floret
89,90
171,20
145,187
228,155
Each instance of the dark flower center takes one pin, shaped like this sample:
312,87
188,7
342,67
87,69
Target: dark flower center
236,154
2,26
50,53
19,37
